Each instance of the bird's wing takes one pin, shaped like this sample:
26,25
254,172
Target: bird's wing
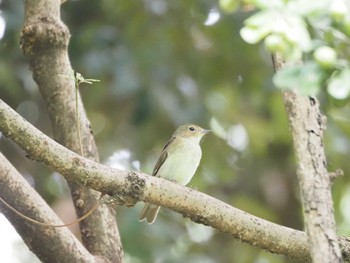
162,157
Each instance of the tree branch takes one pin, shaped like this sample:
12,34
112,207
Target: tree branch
307,125
59,245
130,186
44,39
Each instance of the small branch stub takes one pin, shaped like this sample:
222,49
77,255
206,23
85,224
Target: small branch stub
43,34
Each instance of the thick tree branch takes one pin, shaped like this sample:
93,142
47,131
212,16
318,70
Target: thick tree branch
59,245
307,125
130,186
44,39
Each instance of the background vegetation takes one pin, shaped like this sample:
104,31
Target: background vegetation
161,64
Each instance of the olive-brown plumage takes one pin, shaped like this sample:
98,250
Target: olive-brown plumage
178,162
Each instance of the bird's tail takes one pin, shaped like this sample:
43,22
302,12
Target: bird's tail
149,212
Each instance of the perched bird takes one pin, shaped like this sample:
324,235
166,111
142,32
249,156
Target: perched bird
178,162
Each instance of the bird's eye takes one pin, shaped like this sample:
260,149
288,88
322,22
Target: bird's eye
191,128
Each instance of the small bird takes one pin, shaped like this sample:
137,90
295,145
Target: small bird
178,162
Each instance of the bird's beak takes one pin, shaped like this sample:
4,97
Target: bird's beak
205,131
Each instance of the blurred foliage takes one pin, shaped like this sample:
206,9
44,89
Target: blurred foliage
317,31
164,63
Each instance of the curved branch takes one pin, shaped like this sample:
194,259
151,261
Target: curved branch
130,186
60,244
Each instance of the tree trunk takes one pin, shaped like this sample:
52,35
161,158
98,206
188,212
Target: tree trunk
307,126
44,40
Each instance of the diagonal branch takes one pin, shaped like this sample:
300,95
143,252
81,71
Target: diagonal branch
129,186
60,244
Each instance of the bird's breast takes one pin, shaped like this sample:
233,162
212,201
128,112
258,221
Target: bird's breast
181,165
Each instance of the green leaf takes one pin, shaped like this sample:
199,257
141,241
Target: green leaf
276,21
261,18
339,84
294,29
258,26
253,35
265,4
308,8
306,78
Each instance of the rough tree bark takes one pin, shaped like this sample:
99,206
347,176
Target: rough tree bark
125,186
44,39
49,244
307,126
